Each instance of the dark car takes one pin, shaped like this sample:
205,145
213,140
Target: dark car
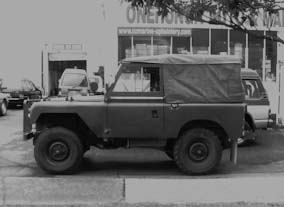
180,104
20,91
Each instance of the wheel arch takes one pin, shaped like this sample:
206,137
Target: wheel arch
250,120
208,124
71,121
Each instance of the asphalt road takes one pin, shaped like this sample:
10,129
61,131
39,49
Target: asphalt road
266,156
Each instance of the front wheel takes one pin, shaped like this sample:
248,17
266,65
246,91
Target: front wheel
58,151
3,108
198,151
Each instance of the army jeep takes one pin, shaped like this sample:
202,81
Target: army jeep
191,107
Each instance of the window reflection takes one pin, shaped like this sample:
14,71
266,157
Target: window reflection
124,47
219,42
271,58
238,45
142,46
200,41
161,45
256,51
144,79
181,45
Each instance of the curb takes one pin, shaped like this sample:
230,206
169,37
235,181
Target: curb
86,191
59,191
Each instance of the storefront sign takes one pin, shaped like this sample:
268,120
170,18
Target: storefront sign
154,31
136,16
140,16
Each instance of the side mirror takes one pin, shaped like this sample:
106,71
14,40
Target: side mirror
94,86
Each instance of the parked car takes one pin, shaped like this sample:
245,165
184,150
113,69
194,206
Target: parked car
4,100
180,104
258,107
77,82
20,91
73,82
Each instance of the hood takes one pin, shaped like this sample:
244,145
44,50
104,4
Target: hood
79,98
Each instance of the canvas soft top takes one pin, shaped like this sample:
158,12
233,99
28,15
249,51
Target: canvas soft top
197,78
178,59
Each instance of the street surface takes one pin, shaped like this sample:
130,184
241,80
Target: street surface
266,156
140,177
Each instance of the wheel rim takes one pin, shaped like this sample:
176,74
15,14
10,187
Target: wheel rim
198,151
58,151
3,108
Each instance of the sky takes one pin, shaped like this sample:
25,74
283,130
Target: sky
26,25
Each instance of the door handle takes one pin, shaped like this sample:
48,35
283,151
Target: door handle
174,106
155,114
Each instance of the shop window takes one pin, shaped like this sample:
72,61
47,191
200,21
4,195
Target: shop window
143,79
238,45
124,47
256,51
142,46
200,41
181,45
219,42
161,45
271,58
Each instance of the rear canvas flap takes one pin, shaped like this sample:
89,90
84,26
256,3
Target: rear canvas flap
207,83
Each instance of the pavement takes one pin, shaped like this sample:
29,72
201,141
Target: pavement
140,177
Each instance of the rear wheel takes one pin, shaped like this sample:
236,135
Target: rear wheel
198,151
3,108
58,151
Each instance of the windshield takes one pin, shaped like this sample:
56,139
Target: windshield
25,85
74,80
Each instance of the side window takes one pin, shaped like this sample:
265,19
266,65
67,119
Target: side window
252,88
139,80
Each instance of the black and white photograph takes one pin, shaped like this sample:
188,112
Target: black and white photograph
142,103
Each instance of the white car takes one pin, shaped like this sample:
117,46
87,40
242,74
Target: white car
258,107
4,100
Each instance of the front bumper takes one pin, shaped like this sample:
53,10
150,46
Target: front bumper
28,135
29,131
16,101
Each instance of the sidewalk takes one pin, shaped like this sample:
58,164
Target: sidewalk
93,191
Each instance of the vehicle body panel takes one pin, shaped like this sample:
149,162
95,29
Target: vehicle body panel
140,119
92,112
225,115
258,107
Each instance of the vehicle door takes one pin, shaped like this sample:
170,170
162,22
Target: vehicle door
257,101
135,103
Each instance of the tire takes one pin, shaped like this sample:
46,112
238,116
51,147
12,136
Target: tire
3,108
58,151
198,151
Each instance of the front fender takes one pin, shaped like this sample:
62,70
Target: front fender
91,113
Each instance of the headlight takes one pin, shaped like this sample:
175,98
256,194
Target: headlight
21,95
